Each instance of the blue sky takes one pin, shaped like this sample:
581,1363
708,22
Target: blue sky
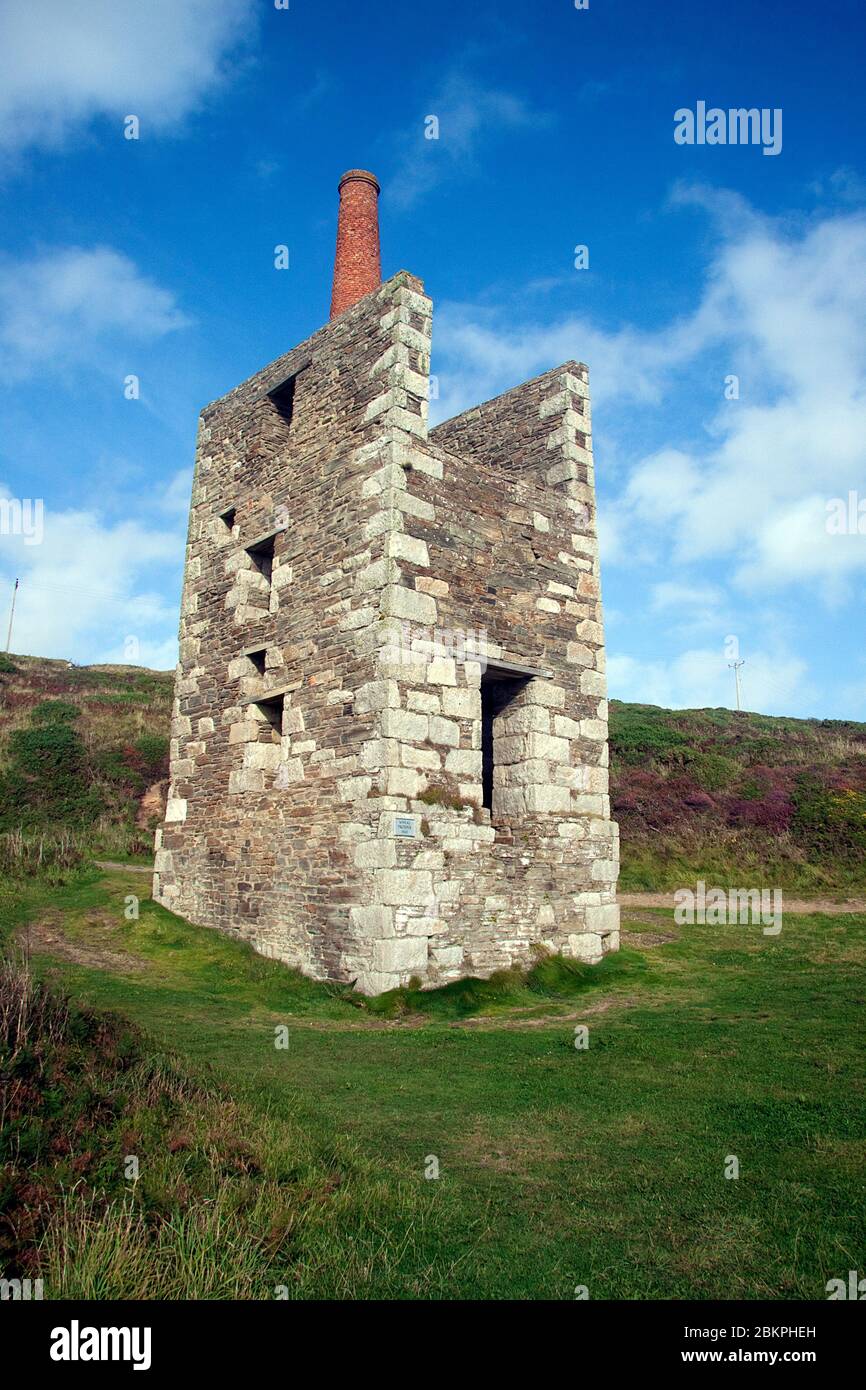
155,257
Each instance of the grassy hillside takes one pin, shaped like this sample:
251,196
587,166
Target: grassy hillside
79,748
306,1170
738,799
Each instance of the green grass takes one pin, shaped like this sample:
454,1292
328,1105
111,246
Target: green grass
557,1166
731,859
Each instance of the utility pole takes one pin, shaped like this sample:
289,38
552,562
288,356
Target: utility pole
735,665
11,616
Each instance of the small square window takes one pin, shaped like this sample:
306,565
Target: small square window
258,659
228,518
272,709
262,556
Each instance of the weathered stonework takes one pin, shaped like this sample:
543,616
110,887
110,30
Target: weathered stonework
360,593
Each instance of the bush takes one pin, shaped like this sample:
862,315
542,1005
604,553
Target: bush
828,819
750,789
639,734
116,767
46,779
152,750
712,771
54,712
771,809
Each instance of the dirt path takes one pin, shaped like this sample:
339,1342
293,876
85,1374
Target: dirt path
789,904
46,936
127,868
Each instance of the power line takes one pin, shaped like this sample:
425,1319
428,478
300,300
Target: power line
80,589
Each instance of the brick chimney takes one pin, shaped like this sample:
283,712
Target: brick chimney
357,270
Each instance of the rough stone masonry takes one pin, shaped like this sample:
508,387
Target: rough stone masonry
389,750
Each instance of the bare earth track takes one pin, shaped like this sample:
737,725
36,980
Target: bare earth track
790,904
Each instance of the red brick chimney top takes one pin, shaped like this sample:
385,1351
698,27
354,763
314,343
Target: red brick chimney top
357,269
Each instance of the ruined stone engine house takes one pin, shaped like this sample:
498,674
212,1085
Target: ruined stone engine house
389,750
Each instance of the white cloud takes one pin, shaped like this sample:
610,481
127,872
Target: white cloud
88,588
467,113
664,486
481,358
844,183
62,64
176,497
690,604
784,308
69,300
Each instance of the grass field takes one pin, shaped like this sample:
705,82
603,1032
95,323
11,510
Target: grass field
301,1170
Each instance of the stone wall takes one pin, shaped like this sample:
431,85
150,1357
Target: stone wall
381,571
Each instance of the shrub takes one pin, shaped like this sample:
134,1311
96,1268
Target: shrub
116,767
640,734
830,819
759,751
750,789
712,771
698,800
771,809
54,712
152,749
46,778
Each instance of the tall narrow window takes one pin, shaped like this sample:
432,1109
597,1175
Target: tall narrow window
282,396
497,692
284,399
